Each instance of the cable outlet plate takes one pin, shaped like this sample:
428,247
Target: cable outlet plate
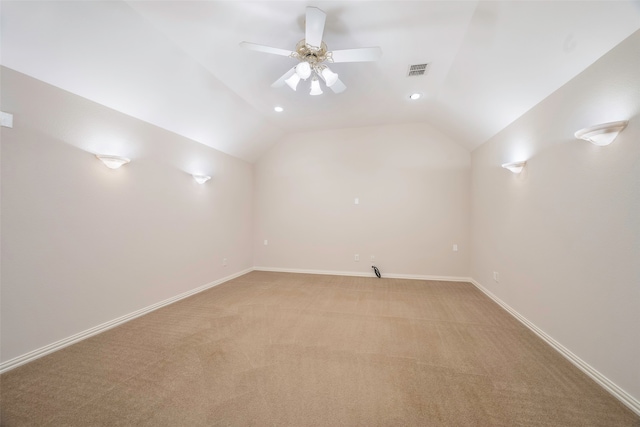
6,119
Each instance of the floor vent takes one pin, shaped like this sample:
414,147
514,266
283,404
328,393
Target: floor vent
417,70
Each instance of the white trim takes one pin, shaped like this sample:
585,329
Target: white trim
624,397
42,351
371,274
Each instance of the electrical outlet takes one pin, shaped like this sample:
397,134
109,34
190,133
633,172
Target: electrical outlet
455,248
224,262
6,119
356,257
356,201
266,242
373,258
496,276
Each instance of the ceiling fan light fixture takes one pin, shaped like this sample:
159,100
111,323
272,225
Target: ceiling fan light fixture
315,87
312,54
329,76
293,81
303,70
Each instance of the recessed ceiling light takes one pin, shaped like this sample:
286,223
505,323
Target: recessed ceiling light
415,96
278,109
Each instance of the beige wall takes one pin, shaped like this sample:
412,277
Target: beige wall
83,244
413,186
564,235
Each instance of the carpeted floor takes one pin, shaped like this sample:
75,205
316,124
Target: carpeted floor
275,349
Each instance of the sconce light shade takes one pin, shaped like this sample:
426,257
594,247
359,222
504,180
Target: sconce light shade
293,81
113,162
303,70
315,87
201,179
329,77
515,167
603,134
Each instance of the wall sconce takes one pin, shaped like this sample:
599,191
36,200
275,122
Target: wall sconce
515,167
603,134
113,162
201,179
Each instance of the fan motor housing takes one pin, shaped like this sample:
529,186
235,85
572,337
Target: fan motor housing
311,54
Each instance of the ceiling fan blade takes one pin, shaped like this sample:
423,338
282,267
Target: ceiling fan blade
266,49
314,26
362,54
280,82
338,86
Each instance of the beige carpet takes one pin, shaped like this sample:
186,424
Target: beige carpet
274,349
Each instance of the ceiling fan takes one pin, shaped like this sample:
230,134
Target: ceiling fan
313,55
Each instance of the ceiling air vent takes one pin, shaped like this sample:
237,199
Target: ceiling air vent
417,70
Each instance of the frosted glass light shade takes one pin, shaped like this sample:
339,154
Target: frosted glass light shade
315,87
293,81
303,70
201,179
113,162
329,77
515,167
603,134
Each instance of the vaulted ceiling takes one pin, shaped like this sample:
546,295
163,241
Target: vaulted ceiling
178,64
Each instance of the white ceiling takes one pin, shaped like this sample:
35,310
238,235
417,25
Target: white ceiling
177,64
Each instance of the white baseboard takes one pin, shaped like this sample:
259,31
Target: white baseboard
361,274
35,354
624,397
